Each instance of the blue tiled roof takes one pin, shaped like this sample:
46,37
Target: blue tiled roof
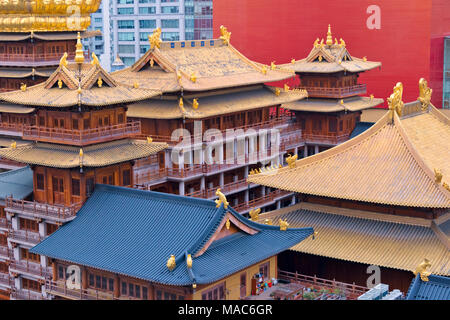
360,128
436,288
18,183
134,232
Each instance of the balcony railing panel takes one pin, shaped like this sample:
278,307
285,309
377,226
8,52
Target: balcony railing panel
5,279
59,288
43,210
25,235
326,139
82,137
23,294
343,92
261,201
34,58
31,267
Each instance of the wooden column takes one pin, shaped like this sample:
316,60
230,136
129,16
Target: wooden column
55,275
116,286
84,278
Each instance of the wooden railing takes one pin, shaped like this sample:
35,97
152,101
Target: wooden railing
31,267
328,139
5,279
12,126
226,188
25,235
351,291
35,57
82,137
59,288
343,92
22,294
5,251
37,209
4,223
261,201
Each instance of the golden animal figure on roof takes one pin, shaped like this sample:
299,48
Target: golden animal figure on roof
95,61
283,224
291,160
395,100
222,199
63,61
171,263
155,39
422,270
225,35
254,214
437,175
424,94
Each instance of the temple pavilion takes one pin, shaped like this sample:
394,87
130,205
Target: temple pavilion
335,100
35,34
381,198
80,137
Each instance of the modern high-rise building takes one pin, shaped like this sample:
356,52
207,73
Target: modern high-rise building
126,24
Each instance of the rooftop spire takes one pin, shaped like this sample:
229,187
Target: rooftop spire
79,54
329,36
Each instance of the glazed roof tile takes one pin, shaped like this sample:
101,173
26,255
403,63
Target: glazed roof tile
367,237
386,164
98,155
436,288
141,229
214,64
16,183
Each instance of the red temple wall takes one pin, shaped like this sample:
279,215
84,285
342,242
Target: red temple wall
409,42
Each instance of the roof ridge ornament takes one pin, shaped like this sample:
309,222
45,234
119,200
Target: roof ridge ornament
329,36
171,263
395,100
291,160
222,199
95,61
225,35
422,270
283,224
437,176
424,94
63,61
254,214
155,39
79,54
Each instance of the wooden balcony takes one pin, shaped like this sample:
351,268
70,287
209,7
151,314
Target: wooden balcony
351,291
59,288
23,294
226,189
35,209
338,93
25,236
82,137
32,268
6,280
261,201
312,138
34,59
5,224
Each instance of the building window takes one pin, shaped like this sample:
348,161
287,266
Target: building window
144,48
317,125
125,10
126,36
215,293
170,36
147,24
126,177
126,49
91,280
89,186
170,23
147,1
27,224
144,293
147,10
31,285
128,61
332,125
125,1
42,121
170,9
40,181
51,228
124,288
120,118
264,269
27,255
76,187
75,124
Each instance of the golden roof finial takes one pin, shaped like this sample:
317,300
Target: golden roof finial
193,77
181,105
277,91
189,261
81,153
316,43
329,36
371,97
437,175
152,63
23,87
291,160
254,214
136,85
424,94
95,61
342,44
365,59
228,224
171,263
60,83
336,43
13,144
422,270
99,82
395,100
225,35
272,65
149,140
293,60
283,224
268,221
264,69
63,61
222,199
286,87
79,54
195,104
155,39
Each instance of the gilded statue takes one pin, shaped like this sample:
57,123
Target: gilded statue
95,61
171,263
283,224
63,61
225,35
254,214
424,94
395,100
222,199
422,270
155,39
189,261
437,175
291,160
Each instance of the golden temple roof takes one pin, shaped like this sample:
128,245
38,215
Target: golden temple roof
368,237
25,72
98,155
330,58
211,105
12,108
333,105
197,66
49,36
78,84
391,163
46,15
